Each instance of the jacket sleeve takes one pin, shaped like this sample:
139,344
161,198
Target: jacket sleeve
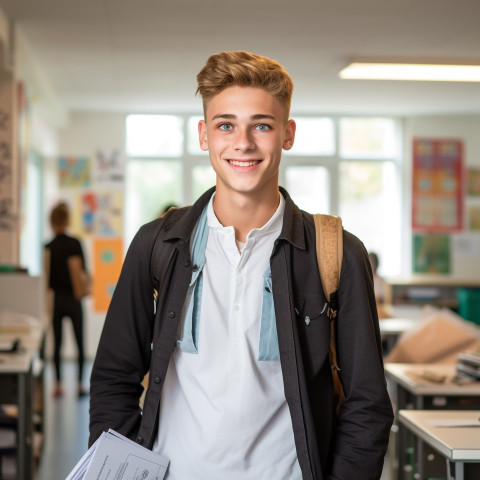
363,424
124,350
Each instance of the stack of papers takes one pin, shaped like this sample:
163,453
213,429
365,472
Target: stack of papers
453,422
468,364
13,322
115,457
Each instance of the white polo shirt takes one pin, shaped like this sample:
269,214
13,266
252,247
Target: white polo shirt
223,412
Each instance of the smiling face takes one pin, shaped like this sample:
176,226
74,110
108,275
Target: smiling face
244,131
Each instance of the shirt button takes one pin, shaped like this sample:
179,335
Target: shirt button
140,439
157,380
195,268
171,314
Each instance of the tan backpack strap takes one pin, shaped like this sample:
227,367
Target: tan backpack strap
329,247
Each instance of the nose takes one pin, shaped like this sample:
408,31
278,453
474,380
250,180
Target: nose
244,141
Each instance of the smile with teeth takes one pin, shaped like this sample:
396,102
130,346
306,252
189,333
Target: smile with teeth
238,163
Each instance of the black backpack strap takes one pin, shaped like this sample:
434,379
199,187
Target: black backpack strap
163,251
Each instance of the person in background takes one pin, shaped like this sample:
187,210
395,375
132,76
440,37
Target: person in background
379,284
65,304
240,383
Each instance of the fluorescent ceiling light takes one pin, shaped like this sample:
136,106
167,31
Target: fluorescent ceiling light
411,71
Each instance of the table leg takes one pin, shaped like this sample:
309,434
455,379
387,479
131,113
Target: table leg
25,427
401,450
459,471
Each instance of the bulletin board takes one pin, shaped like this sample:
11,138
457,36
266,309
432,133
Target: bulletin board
431,254
94,186
437,185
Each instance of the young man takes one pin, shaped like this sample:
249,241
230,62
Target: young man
240,382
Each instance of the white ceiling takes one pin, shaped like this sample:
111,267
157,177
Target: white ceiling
143,55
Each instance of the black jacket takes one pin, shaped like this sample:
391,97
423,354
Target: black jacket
350,445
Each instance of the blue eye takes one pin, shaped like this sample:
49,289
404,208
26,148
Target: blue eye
226,127
263,127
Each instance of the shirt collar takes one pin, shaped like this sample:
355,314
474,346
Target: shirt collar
292,229
273,224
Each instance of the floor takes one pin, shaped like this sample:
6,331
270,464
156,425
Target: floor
66,428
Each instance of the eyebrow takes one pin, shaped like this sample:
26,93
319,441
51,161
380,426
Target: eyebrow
231,116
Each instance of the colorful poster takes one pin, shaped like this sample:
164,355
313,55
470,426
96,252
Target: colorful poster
473,176
89,207
431,254
474,217
108,220
107,264
101,213
109,168
74,171
437,185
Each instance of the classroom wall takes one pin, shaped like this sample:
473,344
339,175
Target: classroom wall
56,132
42,119
87,133
465,245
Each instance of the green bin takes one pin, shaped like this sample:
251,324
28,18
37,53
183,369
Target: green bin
469,304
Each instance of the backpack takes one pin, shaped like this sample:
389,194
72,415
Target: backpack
329,250
161,255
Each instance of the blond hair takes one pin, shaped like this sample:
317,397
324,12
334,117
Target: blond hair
227,69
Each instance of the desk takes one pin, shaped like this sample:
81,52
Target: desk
435,290
460,446
413,393
392,328
17,375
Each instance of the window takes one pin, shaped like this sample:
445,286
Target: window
154,136
314,136
348,166
309,187
360,182
203,177
193,145
31,251
369,186
151,185
368,207
367,138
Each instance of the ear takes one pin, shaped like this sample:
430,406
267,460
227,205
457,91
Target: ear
202,135
290,129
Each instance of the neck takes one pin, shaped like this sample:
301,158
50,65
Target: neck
243,212
59,230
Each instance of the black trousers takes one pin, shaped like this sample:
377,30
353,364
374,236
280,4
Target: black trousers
65,305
